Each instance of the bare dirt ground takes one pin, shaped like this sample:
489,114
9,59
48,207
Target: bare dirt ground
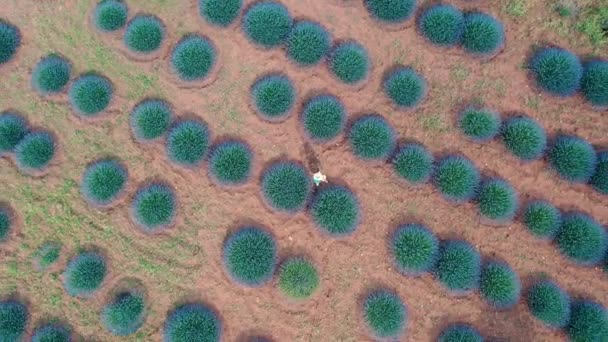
185,262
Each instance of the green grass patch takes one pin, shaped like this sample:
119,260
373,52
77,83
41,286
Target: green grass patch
298,278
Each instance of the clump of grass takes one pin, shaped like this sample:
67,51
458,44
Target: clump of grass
125,314
52,333
385,314
103,181
10,40
573,158
274,96
414,163
524,137
582,239
588,322
14,317
150,119
460,333
323,118
267,24
457,178
51,74
85,274
90,94
298,278
458,266
349,62
415,249
542,219
497,200
557,71
549,304
13,127
594,84
499,285
192,322
599,180
154,207
230,162
335,210
442,25
188,143
479,124
250,256
307,43
391,12
35,151
110,15
220,12
371,137
286,186
144,34
193,58
405,87
47,254
6,224
483,35
593,21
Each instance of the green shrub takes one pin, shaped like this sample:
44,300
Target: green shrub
371,137
457,178
599,180
335,210
594,83
307,43
103,181
385,314
125,314
323,118
150,119
286,186
298,278
52,333
188,143
273,96
230,162
193,322
497,200
144,34
524,137
542,219
250,256
483,34
90,94
479,124
51,74
573,158
349,62
35,151
458,266
442,25
6,223
460,333
391,11
592,22
405,87
47,254
110,15
588,322
415,249
154,207
548,303
13,320
499,285
582,239
220,12
414,163
85,274
13,127
557,71
10,40
267,23
193,58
